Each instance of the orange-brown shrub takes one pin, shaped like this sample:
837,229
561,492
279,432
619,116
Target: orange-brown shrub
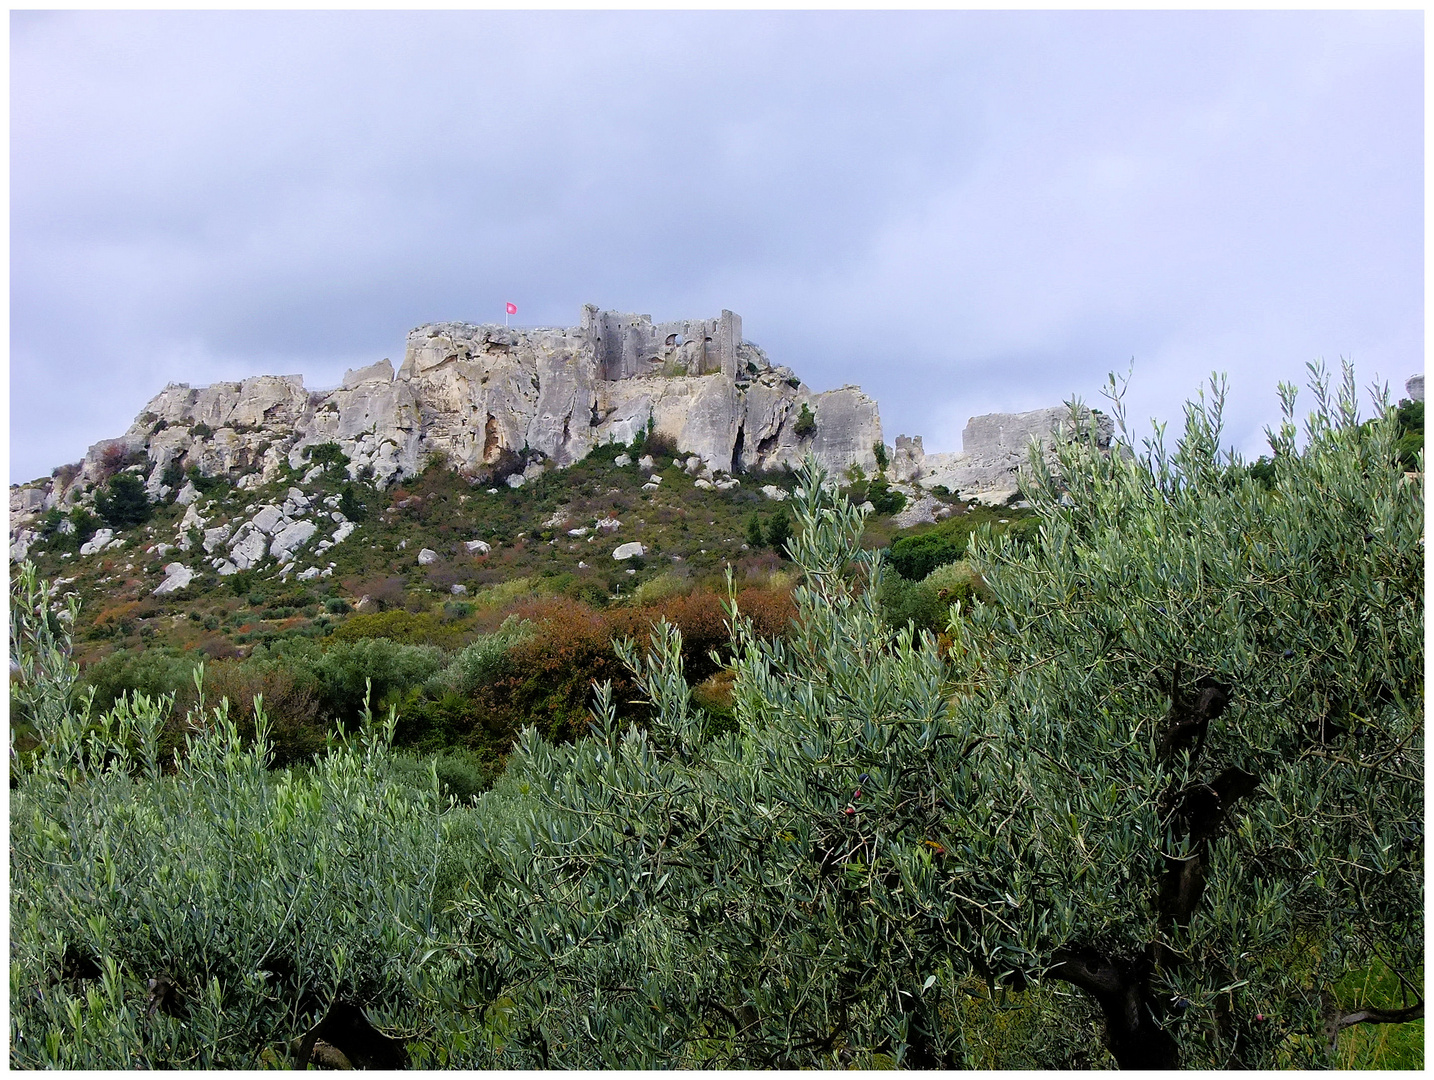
549,678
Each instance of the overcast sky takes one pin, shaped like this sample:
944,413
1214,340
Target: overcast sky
961,212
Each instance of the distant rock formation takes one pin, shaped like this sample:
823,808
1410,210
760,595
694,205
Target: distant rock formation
491,399
993,449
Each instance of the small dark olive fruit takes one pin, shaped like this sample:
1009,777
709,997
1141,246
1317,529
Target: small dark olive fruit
627,830
864,777
1289,653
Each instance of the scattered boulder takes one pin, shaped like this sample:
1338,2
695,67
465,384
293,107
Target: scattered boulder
515,480
646,463
309,574
249,549
772,491
705,485
187,494
459,590
269,519
344,531
97,542
608,525
632,550
176,576
292,538
427,556
622,461
920,512
478,547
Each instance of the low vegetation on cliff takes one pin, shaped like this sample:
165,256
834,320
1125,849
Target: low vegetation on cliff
1153,797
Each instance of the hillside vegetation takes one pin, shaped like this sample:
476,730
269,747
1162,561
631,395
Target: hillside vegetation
1153,798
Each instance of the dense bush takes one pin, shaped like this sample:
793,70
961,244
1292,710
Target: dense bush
122,502
1184,778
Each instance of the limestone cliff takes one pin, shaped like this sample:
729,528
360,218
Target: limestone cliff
489,399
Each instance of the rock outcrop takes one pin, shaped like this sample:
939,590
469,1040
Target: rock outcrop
994,447
497,401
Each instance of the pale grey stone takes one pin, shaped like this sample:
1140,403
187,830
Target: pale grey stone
215,537
1414,387
187,494
772,491
344,531
269,519
459,590
177,576
97,542
645,463
581,530
292,538
477,547
921,511
309,574
608,525
705,485
225,568
515,480
427,556
312,475
250,549
627,551
622,461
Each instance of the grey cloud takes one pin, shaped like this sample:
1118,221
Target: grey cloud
960,211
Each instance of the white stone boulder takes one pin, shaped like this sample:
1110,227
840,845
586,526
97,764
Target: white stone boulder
249,549
645,463
187,494
921,511
608,525
582,530
344,531
292,538
309,574
214,537
427,556
97,542
269,519
705,485
515,480
772,491
692,466
624,552
176,576
225,567
622,461
478,547
459,590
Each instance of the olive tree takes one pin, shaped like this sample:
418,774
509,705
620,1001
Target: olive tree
1175,762
1208,699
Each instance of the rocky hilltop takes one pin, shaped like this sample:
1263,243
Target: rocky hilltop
504,404
487,399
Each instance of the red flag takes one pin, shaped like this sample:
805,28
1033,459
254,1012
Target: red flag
512,308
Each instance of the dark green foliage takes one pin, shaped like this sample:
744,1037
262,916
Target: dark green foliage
755,536
153,672
1407,447
207,485
926,604
879,449
885,499
806,422
173,474
122,502
350,505
913,557
329,454
779,531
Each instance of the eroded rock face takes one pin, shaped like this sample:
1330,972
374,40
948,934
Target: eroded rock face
486,397
994,449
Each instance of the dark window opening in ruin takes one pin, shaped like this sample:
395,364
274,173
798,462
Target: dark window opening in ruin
737,450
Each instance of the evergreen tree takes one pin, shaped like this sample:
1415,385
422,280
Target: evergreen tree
123,503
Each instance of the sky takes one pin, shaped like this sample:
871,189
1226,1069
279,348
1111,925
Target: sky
962,212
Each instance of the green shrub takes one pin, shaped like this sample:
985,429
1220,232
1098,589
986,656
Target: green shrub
806,424
122,502
153,672
347,669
